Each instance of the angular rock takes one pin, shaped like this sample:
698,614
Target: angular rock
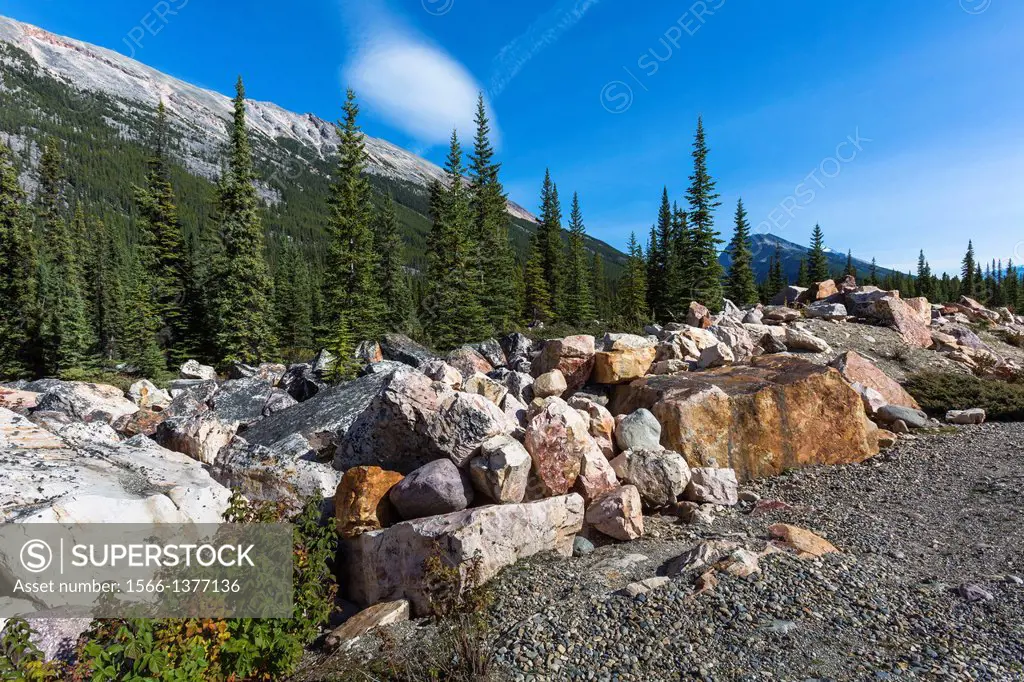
670,367
48,481
873,400
819,291
201,436
193,370
278,401
516,346
618,514
799,340
491,351
377,616
915,419
758,419
716,356
805,543
481,384
478,543
557,438
439,370
242,400
323,363
712,486
625,357
573,356
661,477
145,394
698,316
736,338
964,417
502,470
86,402
781,314
596,475
644,586
361,501
438,487
519,384
896,313
886,439
550,384
826,311
18,400
463,422
638,431
301,382
369,352
858,370
469,362
401,348
755,316
602,423
290,471
268,371
771,344
514,410
789,294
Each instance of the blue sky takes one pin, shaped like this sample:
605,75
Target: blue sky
896,126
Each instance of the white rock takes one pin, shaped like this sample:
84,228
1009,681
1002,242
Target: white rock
713,486
715,356
502,470
193,370
798,340
550,384
661,477
145,394
972,416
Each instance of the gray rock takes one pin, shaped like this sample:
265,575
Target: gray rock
278,401
463,423
789,294
712,486
826,311
301,382
401,348
86,402
771,345
193,370
382,367
582,546
965,417
439,370
755,316
436,488
291,470
242,400
799,340
491,350
200,436
661,477
516,346
618,514
719,355
519,384
638,431
915,419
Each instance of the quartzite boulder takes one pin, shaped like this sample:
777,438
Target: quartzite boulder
481,384
86,402
596,475
573,356
145,394
826,311
468,361
550,384
789,294
602,423
439,370
965,417
800,340
625,357
638,431
492,351
389,564
660,476
193,370
438,487
777,413
618,514
858,370
698,316
710,485
898,314
201,436
291,471
502,470
462,423
242,400
401,348
557,437
361,501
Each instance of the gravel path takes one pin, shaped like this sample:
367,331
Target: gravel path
913,525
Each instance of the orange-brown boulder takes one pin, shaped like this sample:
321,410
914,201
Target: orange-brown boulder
820,291
774,414
858,370
361,501
573,356
625,357
21,402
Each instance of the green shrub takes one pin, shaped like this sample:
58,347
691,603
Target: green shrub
21,659
939,392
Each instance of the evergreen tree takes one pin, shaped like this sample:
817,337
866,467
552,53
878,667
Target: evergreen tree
243,305
19,322
633,286
817,260
803,277
705,270
105,288
776,276
138,344
163,247
663,275
924,277
394,290
452,312
579,295
873,274
602,294
968,277
851,269
1011,287
352,263
537,298
293,303
741,286
65,333
550,243
491,224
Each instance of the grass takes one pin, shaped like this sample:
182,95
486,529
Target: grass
939,392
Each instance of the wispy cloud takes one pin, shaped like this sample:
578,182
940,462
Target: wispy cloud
547,29
410,83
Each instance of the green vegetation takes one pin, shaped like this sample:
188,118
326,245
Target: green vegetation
939,392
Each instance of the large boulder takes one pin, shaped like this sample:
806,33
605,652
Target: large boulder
819,291
439,370
469,362
618,514
145,394
481,384
716,356
625,357
519,384
602,423
915,419
710,485
736,338
48,480
462,424
698,316
858,370
502,470
438,487
242,400
361,501
661,476
898,314
557,437
517,347
193,370
302,382
18,400
777,413
638,431
801,340
823,310
201,436
401,348
597,476
788,295
290,471
492,351
390,564
573,356
86,402
550,384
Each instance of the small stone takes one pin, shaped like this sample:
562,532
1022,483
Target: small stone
550,384
638,431
966,417
582,546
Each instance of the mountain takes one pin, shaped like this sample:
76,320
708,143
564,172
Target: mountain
100,103
764,246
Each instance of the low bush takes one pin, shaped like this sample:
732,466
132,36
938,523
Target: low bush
939,392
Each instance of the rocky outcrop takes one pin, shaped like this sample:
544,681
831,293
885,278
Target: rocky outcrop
86,402
477,543
775,414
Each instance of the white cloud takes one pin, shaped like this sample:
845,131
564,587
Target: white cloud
410,83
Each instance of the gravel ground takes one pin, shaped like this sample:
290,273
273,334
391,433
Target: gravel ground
933,514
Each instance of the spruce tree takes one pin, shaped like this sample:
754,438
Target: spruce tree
293,303
873,274
452,313
851,269
243,305
19,320
65,334
803,278
924,277
497,265
817,259
742,285
138,341
968,276
394,290
579,294
705,270
663,276
1011,287
633,286
105,287
602,294
550,242
536,297
163,246
352,264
